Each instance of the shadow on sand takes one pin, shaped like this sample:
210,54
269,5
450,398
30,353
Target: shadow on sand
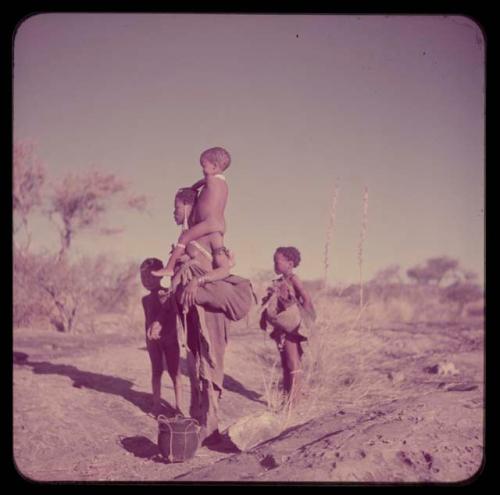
94,381
143,448
229,383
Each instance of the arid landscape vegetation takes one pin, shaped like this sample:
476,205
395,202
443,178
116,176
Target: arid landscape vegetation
394,368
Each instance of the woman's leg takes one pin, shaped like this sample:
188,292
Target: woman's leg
172,357
195,402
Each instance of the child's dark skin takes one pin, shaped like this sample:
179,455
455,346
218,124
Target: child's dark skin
152,304
290,353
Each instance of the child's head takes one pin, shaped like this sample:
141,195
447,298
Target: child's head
286,259
215,161
149,281
185,199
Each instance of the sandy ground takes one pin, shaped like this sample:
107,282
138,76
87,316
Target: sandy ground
390,408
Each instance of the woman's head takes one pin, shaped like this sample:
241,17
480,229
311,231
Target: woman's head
286,259
183,204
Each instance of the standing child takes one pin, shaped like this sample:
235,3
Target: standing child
166,347
288,307
211,204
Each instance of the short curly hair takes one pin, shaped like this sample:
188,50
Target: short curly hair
219,156
290,253
186,195
150,264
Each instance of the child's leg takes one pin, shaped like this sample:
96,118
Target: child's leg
201,229
195,232
155,355
286,372
292,356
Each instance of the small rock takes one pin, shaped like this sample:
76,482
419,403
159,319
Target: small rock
396,376
444,368
253,429
461,387
428,458
348,380
269,462
404,458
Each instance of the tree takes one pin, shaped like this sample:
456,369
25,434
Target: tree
433,271
79,201
28,179
463,293
388,275
420,274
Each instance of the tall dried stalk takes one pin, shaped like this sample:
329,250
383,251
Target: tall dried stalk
362,238
329,233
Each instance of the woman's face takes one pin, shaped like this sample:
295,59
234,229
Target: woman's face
282,264
181,211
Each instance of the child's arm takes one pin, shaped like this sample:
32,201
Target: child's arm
303,294
145,308
198,184
214,221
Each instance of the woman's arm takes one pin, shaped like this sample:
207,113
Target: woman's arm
221,270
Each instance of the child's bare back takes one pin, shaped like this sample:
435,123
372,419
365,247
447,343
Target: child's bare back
212,202
210,206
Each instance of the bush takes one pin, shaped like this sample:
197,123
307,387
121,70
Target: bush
31,304
463,293
71,294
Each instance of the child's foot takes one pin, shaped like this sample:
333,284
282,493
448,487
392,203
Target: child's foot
162,273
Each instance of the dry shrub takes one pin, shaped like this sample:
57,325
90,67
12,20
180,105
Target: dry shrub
31,304
341,341
71,295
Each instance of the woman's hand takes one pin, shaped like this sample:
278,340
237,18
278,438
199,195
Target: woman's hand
189,293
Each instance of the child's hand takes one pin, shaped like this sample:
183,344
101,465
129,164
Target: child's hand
163,295
154,331
198,184
268,295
